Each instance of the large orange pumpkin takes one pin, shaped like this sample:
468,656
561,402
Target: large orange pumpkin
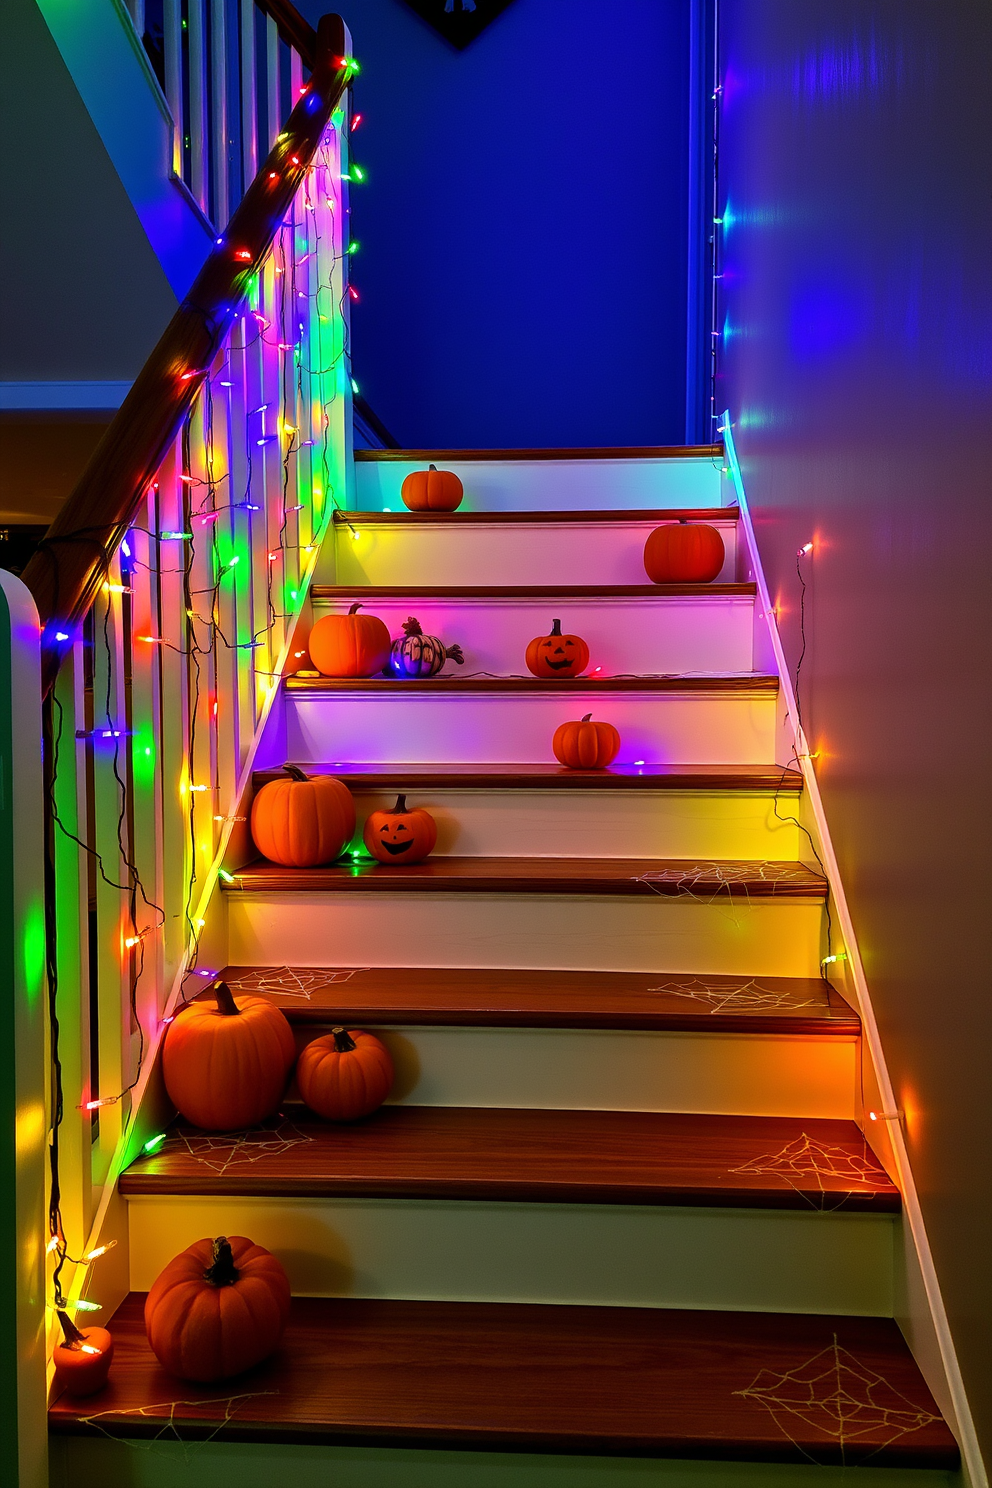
217,1309
557,655
301,822
351,645
586,745
683,552
226,1063
400,836
432,490
345,1075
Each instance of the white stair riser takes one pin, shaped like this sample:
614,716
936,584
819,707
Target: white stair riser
648,636
445,728
611,1255
615,1070
552,485
602,824
480,553
571,932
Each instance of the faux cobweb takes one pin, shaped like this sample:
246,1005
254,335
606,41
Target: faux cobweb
834,1394
221,1151
806,1162
749,996
166,1412
292,981
717,874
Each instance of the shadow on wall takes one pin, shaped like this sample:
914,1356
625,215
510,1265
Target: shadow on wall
522,271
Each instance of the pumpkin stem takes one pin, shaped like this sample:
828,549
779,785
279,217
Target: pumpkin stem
225,1000
343,1041
295,773
683,521
586,717
72,1335
455,653
401,807
432,467
355,607
411,627
223,1271
556,627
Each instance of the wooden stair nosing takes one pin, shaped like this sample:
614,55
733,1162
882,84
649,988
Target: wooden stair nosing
570,452
521,1377
545,518
563,686
779,779
513,1155
494,998
549,592
639,877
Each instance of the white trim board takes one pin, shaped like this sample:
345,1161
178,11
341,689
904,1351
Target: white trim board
25,397
923,1316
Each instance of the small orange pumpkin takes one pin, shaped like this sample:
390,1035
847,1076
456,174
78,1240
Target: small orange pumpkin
683,552
226,1063
345,1075
402,835
557,655
301,822
586,745
83,1359
432,490
217,1309
351,645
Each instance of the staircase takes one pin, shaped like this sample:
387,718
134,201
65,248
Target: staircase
618,1224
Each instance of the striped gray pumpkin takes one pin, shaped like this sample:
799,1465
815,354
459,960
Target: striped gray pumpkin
419,655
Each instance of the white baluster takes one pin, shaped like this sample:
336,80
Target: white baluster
249,104
220,169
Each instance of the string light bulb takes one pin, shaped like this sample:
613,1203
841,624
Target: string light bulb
885,1115
806,548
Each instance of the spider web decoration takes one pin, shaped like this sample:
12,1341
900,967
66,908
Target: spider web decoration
725,874
168,1430
748,997
806,1158
835,1394
458,21
289,981
220,1151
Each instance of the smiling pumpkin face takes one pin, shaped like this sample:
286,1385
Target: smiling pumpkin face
400,836
557,655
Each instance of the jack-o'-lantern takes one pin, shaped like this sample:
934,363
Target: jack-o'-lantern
431,490
683,552
351,645
557,655
586,745
402,835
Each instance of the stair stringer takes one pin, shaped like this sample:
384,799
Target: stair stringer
920,1310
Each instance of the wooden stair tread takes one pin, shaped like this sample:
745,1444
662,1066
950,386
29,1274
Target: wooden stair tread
375,777
747,682
613,517
416,592
536,1156
488,998
595,452
701,880
527,1377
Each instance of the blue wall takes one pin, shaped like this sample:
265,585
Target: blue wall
856,154
523,230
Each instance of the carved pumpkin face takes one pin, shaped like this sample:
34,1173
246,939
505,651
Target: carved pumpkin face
400,836
557,655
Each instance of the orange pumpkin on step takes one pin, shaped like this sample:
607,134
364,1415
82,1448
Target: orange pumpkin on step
301,822
402,835
226,1062
683,552
586,745
217,1309
351,645
557,655
345,1075
432,490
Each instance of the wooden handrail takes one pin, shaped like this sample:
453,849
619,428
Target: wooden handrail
70,565
293,28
